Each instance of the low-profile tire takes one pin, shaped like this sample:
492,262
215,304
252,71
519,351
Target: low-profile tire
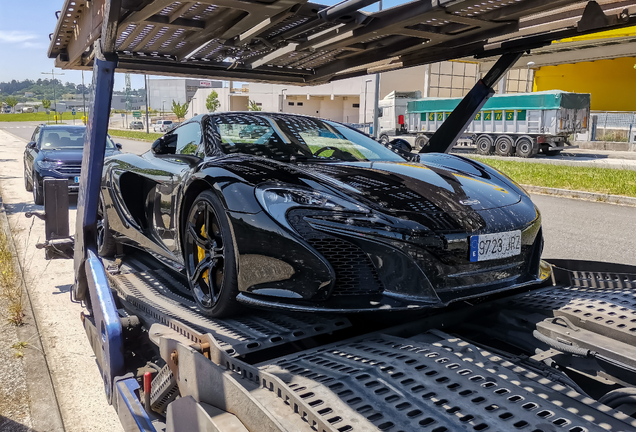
504,146
106,244
525,147
209,256
485,145
384,139
27,182
38,193
420,142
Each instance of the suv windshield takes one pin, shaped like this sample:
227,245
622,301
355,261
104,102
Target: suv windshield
66,137
286,136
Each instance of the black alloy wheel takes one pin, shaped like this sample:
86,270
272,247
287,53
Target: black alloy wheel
209,257
38,194
106,245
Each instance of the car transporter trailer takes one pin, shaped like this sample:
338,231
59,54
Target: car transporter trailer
165,366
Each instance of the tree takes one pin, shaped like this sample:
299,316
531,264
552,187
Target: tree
36,106
12,102
46,104
212,102
179,110
254,107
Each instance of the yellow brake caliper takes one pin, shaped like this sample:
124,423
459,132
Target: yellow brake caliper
201,255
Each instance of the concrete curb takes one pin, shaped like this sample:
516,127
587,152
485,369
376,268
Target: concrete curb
45,410
582,195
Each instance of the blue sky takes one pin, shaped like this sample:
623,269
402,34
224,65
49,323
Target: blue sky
24,39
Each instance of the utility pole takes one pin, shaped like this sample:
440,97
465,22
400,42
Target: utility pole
146,90
376,99
84,97
52,73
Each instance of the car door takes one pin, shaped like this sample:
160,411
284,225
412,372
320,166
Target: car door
169,189
31,153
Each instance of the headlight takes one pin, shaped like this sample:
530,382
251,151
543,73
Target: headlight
49,164
276,200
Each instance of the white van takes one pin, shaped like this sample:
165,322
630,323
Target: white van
162,125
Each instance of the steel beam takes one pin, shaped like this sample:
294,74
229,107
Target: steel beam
454,126
92,164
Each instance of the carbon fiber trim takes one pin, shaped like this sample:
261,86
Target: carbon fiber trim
148,291
391,384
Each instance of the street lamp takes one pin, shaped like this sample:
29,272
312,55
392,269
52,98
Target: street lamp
282,101
365,101
54,97
529,65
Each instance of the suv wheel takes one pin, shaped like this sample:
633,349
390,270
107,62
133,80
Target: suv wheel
38,194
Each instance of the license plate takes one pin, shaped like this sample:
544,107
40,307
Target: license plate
493,246
76,179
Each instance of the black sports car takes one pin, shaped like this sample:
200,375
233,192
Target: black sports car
316,216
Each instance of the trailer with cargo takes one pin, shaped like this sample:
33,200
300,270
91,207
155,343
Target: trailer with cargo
522,124
557,357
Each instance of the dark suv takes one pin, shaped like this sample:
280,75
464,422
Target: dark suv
55,151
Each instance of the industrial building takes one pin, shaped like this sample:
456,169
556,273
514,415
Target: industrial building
162,91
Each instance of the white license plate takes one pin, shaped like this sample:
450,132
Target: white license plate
76,179
493,246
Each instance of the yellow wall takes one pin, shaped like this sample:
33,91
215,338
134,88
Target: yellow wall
612,83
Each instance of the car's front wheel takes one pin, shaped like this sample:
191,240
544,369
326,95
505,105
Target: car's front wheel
38,193
27,182
210,257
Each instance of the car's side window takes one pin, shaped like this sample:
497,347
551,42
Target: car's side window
36,133
188,138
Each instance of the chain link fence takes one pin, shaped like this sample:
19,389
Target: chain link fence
613,126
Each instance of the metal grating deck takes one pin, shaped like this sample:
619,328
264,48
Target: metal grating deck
391,384
295,41
148,292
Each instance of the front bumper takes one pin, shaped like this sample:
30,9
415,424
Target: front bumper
329,265
71,173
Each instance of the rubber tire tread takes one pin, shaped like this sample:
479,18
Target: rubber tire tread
38,192
227,304
108,247
28,185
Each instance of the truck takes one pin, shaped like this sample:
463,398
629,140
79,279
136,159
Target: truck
556,357
521,124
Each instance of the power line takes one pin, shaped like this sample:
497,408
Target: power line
52,73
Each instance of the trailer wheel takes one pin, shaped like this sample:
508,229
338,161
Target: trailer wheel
384,139
420,142
503,146
484,145
525,147
210,258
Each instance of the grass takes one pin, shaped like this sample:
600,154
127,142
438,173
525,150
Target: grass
150,137
40,116
10,289
599,180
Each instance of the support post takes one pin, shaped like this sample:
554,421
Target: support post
444,139
92,165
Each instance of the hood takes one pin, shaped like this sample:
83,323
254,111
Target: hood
68,156
417,187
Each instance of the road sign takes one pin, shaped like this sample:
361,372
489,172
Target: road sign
136,114
73,111
123,114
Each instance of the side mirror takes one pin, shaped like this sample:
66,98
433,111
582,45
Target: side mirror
165,145
401,144
118,145
31,145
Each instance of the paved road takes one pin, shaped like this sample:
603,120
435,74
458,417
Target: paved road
584,230
24,130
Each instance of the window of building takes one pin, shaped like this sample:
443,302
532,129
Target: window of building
290,103
299,104
452,79
356,105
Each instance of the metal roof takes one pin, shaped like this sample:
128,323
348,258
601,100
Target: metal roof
298,42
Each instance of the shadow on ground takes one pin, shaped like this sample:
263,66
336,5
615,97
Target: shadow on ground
8,425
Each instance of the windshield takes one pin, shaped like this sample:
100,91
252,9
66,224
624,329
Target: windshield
66,137
285,137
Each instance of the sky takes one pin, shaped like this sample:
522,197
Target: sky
24,40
